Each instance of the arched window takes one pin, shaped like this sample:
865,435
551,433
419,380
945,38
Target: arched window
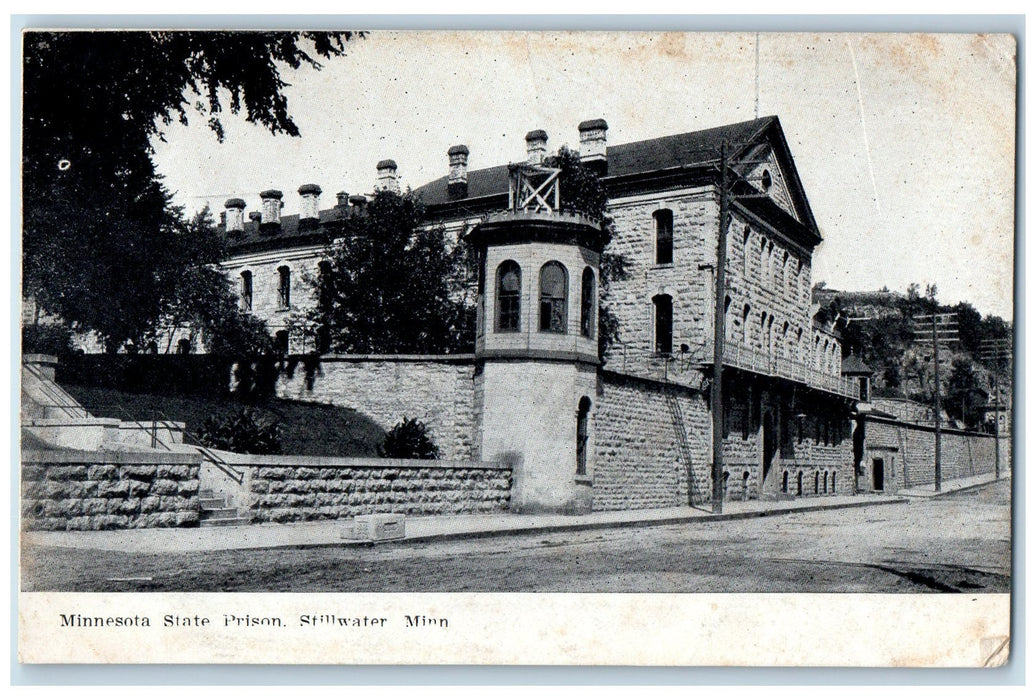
816,483
283,287
586,316
663,237
246,291
833,474
508,296
183,346
553,298
663,324
582,434
784,483
798,485
746,327
281,342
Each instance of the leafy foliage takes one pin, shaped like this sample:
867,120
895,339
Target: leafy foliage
246,432
391,286
46,339
102,246
409,439
583,192
882,335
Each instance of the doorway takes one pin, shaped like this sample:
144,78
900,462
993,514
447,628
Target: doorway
769,443
879,474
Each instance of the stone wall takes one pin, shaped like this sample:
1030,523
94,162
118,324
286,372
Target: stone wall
291,488
437,390
907,454
640,462
75,490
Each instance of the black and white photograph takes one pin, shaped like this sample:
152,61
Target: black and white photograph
616,314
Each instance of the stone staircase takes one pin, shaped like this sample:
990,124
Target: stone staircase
214,511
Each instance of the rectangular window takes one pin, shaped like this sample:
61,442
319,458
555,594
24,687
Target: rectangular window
663,237
663,324
246,291
284,288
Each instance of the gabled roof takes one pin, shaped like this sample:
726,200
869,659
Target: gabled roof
634,162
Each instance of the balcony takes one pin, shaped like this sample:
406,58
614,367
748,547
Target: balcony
749,359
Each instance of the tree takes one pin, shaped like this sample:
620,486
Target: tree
102,247
391,284
582,191
965,396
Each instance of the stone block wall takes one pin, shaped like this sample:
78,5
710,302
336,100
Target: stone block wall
639,459
908,454
437,390
291,489
74,490
694,216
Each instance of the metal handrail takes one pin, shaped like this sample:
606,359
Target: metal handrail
58,396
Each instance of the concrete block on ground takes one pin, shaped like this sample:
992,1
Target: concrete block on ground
377,527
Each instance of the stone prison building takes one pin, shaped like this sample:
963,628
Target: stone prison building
531,418
633,431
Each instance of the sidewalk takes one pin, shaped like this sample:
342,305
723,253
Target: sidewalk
447,527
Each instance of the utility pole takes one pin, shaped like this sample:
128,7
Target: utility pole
938,411
943,330
991,352
719,331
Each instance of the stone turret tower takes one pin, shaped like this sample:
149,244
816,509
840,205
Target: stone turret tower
536,343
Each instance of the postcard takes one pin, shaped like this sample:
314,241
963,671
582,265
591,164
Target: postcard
506,347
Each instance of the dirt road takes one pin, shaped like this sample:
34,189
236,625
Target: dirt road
956,543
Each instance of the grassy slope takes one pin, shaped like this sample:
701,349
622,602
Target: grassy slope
308,428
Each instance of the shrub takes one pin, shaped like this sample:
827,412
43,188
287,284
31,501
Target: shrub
247,432
47,339
409,440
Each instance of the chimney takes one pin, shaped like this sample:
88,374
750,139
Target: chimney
593,145
310,206
343,199
387,176
235,215
271,209
536,146
255,216
358,203
457,186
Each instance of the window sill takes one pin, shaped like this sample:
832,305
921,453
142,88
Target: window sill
663,266
585,480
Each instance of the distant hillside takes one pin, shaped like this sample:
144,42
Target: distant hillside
308,428
877,327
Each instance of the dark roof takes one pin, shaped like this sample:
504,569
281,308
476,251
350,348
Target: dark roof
695,148
853,365
692,148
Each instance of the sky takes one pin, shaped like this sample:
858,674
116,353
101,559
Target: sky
905,143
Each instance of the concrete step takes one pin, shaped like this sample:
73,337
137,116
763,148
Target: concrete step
211,503
222,522
219,514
